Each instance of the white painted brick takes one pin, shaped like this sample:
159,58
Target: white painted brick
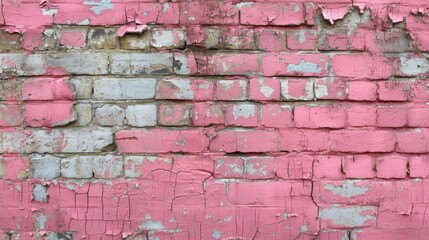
110,115
128,88
45,167
141,63
80,63
141,115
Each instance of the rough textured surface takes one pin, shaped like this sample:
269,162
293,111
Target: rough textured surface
215,119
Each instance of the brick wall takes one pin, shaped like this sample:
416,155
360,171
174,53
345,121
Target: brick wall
214,120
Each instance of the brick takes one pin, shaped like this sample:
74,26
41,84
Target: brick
412,65
141,63
271,40
184,89
294,167
362,91
23,65
393,91
393,234
294,65
328,167
45,167
110,115
73,140
362,141
9,41
45,89
391,116
392,166
141,115
348,216
414,141
281,14
259,168
264,89
72,38
122,89
297,89
84,114
82,88
49,39
168,38
136,41
361,66
102,38
209,13
231,64
362,115
303,140
359,166
276,116
150,12
161,141
230,90
141,167
174,114
237,38
303,39
92,166
333,40
245,141
10,115
207,113
229,167
418,116
14,167
420,39
419,166
320,117
48,114
80,63
245,115
330,88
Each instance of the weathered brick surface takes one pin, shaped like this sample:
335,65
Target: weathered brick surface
215,119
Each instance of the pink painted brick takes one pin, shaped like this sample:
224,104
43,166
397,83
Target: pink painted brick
419,166
393,91
245,115
333,234
207,113
294,167
297,89
334,40
174,114
48,114
281,14
361,141
238,38
418,116
14,167
245,141
184,89
232,64
141,167
392,166
271,40
264,89
303,39
259,168
414,141
362,115
328,167
362,91
421,39
361,66
73,38
161,141
149,12
330,88
47,89
320,116
303,140
229,167
391,116
208,13
391,234
276,116
359,166
231,90
294,64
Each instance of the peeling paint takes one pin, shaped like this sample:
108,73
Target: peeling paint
347,189
304,67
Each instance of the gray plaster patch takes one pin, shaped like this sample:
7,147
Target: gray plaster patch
414,66
347,189
304,67
99,6
351,216
40,193
244,111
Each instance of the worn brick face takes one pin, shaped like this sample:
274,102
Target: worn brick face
215,119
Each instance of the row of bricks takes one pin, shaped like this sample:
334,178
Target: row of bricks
248,167
351,66
206,89
75,140
243,38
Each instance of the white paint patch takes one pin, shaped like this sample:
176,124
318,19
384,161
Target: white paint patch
49,12
152,225
266,90
216,234
347,189
414,66
300,36
244,4
99,7
304,67
353,216
184,86
244,111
